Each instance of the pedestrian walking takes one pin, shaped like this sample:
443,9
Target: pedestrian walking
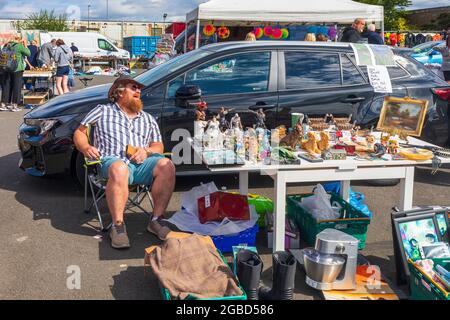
13,65
63,60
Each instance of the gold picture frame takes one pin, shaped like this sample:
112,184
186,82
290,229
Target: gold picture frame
405,115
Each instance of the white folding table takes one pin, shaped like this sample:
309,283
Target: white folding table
330,170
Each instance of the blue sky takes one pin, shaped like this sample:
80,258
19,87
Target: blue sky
149,10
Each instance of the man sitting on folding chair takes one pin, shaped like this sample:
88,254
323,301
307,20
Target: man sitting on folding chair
118,124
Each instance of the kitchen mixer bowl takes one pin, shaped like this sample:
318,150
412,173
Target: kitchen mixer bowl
322,268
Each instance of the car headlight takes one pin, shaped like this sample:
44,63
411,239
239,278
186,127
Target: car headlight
44,124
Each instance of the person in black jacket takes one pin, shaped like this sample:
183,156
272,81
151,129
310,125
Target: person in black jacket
353,33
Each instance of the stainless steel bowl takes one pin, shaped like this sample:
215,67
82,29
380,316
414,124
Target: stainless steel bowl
323,268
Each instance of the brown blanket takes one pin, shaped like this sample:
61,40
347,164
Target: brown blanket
189,266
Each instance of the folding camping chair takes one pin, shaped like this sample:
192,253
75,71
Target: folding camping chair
97,185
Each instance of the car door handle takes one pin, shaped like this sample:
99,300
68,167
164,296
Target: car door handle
256,107
353,99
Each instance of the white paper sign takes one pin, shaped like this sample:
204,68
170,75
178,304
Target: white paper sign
379,79
207,201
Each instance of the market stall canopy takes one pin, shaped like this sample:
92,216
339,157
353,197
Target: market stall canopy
286,11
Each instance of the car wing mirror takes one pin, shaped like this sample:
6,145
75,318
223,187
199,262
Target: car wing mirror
186,95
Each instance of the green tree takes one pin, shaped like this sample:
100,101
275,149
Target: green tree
394,12
45,21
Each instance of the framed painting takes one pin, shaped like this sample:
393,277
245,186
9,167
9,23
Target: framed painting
405,115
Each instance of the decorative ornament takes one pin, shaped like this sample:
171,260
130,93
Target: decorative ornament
332,33
285,33
276,34
268,31
259,32
312,29
323,30
209,30
223,32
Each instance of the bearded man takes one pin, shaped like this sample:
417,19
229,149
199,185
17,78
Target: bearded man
118,124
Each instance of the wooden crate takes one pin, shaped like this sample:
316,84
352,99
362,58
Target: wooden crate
35,98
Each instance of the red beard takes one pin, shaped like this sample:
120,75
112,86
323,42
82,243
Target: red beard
133,104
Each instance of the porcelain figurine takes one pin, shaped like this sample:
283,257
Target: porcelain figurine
293,138
224,124
324,143
393,146
260,118
213,137
310,145
236,122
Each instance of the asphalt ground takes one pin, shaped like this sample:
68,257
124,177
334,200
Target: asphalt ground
45,233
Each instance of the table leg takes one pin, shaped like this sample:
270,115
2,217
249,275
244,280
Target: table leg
243,182
407,189
345,194
280,213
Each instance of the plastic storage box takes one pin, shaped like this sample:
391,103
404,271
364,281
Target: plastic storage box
247,237
423,287
166,295
141,46
355,222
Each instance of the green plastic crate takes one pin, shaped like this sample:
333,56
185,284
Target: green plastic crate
166,295
263,206
354,224
423,287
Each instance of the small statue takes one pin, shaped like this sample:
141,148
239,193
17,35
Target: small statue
213,136
236,123
200,120
324,143
311,144
200,114
370,142
293,138
385,139
224,124
379,150
260,118
393,146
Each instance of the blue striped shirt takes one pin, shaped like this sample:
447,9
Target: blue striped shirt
114,130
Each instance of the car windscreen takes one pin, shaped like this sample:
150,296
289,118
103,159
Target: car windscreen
427,46
170,66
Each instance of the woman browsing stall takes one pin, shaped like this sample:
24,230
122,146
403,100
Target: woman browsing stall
63,59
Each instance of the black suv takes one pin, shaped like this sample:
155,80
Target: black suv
280,77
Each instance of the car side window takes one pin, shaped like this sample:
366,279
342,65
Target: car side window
239,73
312,70
105,45
351,75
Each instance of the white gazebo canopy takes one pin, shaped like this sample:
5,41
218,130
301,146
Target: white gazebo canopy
286,11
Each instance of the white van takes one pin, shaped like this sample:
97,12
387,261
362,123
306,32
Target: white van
89,44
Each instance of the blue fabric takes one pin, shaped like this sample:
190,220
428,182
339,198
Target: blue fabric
137,173
356,198
34,50
62,71
374,38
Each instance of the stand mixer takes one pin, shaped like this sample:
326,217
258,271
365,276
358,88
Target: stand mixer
332,264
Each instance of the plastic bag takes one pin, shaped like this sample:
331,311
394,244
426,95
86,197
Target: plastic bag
319,205
189,199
